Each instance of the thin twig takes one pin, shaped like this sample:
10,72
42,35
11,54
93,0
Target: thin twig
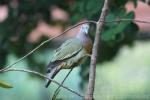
7,67
44,76
100,24
57,90
122,20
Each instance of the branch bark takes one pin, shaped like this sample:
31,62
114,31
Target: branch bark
99,27
44,76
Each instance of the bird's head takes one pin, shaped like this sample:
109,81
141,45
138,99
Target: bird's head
85,28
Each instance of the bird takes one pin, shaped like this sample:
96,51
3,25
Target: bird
73,52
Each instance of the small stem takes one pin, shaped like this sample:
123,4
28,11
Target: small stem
124,20
41,75
57,90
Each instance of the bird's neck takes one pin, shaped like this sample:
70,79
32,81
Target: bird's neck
81,36
86,41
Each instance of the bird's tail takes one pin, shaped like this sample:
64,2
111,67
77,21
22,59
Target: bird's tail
52,74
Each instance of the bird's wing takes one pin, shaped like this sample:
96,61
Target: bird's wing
68,49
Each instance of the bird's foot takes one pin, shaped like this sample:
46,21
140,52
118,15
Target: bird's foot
88,55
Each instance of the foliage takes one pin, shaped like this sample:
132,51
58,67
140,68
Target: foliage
25,14
3,84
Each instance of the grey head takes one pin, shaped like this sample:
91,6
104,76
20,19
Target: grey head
83,31
84,38
84,28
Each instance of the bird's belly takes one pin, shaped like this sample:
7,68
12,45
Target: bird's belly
74,61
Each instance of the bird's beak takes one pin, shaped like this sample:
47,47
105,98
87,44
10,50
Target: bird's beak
86,31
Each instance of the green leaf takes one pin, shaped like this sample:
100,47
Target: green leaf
93,7
3,84
111,33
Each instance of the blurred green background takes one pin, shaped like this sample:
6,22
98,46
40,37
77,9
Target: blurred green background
124,52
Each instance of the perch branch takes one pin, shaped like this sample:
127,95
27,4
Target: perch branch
99,27
41,75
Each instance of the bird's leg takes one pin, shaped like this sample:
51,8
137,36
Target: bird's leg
88,55
58,89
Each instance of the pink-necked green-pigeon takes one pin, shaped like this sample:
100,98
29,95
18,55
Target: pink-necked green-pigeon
71,53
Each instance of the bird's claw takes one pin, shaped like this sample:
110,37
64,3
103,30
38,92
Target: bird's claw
88,55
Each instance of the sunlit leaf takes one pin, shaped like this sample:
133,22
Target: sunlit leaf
4,84
111,33
93,7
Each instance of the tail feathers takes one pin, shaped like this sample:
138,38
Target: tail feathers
52,74
52,65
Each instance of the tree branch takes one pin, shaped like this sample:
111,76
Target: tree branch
44,76
100,24
124,20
